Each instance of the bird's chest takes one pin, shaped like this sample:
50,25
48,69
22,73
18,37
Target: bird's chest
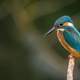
71,50
61,38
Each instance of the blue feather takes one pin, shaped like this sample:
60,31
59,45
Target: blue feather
62,20
72,37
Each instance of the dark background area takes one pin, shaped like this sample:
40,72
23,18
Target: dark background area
24,53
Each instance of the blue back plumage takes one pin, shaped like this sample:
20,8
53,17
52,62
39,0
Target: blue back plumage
72,37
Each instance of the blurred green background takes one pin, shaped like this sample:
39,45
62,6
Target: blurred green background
24,53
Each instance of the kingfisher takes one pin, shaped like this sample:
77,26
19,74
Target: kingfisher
67,34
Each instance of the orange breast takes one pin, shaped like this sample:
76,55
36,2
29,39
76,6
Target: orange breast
71,50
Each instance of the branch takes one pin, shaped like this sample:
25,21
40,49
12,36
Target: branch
70,70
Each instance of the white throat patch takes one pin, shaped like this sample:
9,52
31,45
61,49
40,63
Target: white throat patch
61,29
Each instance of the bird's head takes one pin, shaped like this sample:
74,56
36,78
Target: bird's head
60,24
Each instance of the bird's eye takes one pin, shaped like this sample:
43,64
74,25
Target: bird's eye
58,25
61,24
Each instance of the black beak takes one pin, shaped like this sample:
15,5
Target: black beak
50,31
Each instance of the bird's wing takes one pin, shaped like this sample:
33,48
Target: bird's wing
72,37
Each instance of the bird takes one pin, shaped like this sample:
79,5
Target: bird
67,34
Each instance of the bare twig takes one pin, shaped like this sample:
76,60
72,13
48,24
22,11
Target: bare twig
70,70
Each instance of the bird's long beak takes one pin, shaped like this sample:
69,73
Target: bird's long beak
50,31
